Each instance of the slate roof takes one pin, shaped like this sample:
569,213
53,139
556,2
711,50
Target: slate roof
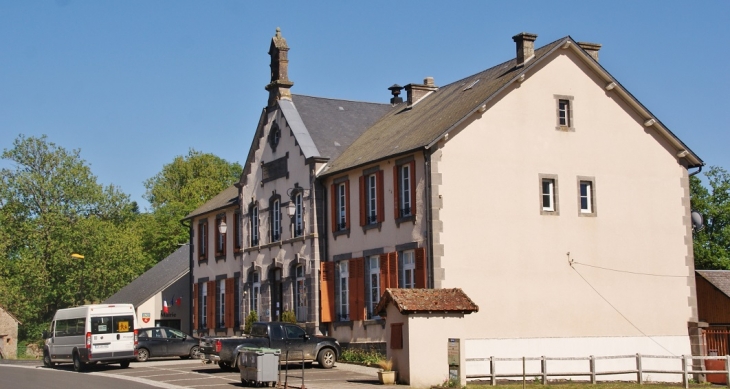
334,124
227,198
718,278
405,129
427,300
155,280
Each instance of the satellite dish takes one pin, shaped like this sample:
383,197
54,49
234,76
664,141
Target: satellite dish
697,222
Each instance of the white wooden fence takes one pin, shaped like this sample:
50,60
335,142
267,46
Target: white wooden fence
686,367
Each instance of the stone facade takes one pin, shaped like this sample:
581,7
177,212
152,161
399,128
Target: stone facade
8,334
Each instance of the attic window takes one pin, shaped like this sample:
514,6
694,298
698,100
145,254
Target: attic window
341,109
471,85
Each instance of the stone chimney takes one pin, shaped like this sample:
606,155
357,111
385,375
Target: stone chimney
415,92
279,86
591,48
395,90
525,47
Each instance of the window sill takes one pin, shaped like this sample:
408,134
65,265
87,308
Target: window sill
373,226
219,258
586,214
338,324
335,234
411,218
202,260
565,129
549,213
372,322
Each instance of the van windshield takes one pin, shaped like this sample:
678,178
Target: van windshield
112,324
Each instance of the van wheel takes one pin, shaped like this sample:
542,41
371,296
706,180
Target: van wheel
47,360
326,358
124,364
78,365
143,355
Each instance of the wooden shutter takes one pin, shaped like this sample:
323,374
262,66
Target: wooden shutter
384,274
357,289
195,306
396,336
381,196
210,314
230,317
393,269
347,204
363,212
421,272
327,291
333,207
396,193
412,181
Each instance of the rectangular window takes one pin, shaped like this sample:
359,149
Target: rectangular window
344,291
275,169
220,238
549,204
298,215
237,231
300,297
254,226
222,303
405,190
204,305
203,240
276,221
374,266
586,196
409,269
255,290
564,112
341,207
372,200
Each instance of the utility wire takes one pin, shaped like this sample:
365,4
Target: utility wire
616,309
626,271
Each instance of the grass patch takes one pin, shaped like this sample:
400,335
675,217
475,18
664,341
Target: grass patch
354,355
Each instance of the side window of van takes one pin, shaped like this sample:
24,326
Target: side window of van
61,327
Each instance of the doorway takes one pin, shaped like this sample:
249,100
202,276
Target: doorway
276,293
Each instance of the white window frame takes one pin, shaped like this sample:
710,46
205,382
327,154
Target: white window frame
409,269
222,301
298,215
548,193
374,274
255,292
564,112
586,200
344,308
276,222
341,207
204,304
372,200
405,191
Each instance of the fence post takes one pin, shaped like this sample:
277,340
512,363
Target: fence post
543,367
492,371
639,370
592,364
685,378
727,369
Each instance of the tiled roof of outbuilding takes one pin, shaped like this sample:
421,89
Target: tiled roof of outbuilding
154,280
228,197
427,300
719,278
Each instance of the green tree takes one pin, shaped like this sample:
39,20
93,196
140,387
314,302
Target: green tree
50,207
712,244
182,186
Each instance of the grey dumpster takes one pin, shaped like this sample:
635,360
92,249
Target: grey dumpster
259,366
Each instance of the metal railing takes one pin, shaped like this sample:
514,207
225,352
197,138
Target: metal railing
685,371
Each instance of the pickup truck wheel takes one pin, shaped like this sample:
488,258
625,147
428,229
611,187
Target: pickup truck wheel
326,358
143,355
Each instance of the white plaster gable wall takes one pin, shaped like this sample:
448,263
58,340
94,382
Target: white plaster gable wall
512,261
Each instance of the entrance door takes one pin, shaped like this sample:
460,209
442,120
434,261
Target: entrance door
300,296
276,292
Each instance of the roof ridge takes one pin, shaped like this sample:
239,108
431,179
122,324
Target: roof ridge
333,99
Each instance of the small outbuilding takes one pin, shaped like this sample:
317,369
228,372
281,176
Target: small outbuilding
418,324
8,334
161,296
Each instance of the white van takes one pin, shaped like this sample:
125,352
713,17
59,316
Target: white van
90,334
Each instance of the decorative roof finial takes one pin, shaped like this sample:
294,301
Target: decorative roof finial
278,32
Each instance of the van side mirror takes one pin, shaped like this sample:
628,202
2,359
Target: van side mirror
46,335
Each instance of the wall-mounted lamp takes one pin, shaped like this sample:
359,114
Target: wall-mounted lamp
610,85
291,209
222,228
649,123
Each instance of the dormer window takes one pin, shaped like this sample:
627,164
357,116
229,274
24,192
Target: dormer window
274,136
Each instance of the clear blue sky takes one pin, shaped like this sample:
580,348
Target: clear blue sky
132,84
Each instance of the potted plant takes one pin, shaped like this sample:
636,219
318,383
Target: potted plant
386,375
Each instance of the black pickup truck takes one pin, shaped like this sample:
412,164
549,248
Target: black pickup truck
284,336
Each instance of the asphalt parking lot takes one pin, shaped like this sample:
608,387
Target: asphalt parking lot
176,373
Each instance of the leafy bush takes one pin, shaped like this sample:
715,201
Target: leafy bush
289,317
364,357
250,319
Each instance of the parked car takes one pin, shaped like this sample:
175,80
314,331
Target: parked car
289,338
165,342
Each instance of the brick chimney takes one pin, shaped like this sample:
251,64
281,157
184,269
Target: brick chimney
415,92
525,47
279,86
591,48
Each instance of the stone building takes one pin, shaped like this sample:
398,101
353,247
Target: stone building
8,334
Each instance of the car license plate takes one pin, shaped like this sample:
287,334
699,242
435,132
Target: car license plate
101,346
